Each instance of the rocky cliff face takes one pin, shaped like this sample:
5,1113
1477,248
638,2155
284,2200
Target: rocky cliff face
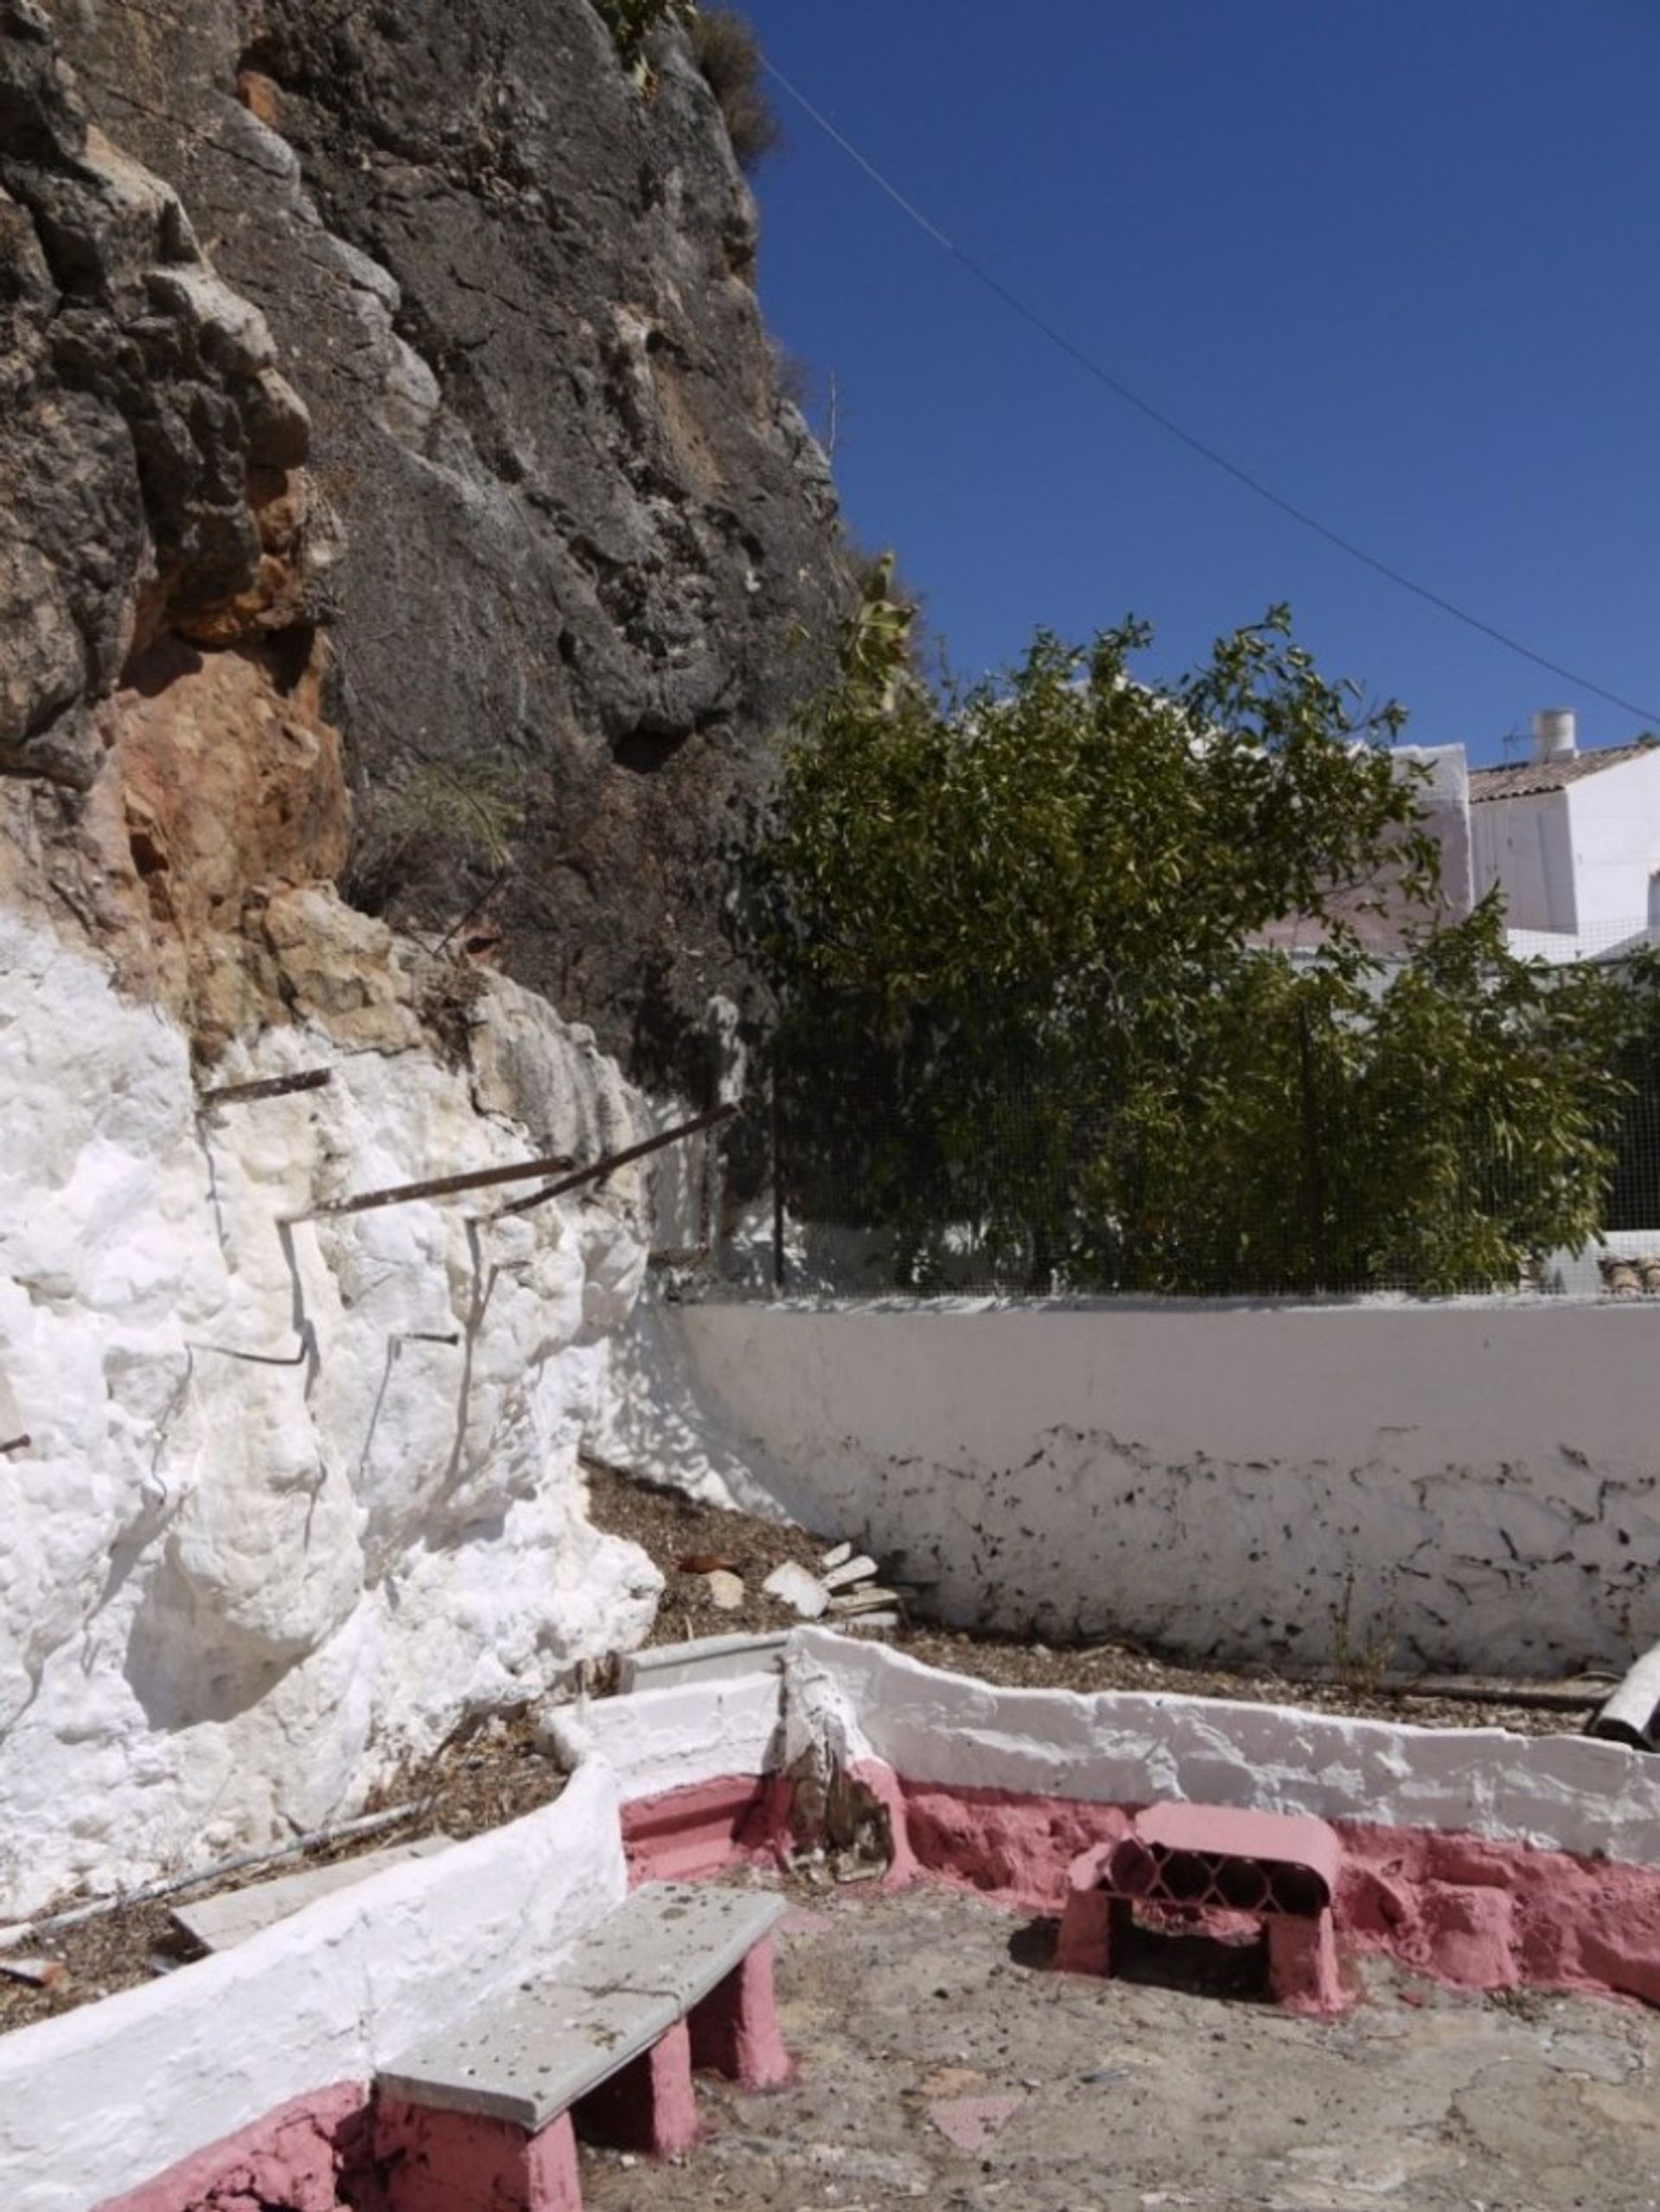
288,1494
593,553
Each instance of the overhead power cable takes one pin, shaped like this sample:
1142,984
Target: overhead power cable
1094,368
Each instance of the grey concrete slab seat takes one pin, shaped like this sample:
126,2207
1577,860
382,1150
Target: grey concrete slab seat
678,1939
532,2053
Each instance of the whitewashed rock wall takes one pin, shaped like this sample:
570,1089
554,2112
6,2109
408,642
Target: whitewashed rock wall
1462,1484
293,1500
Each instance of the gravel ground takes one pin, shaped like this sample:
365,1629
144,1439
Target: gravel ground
943,2065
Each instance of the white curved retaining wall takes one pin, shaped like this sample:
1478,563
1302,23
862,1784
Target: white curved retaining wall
1554,1793
102,2101
1457,1485
95,2102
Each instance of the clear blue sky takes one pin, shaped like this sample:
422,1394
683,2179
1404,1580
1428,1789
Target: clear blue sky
1399,258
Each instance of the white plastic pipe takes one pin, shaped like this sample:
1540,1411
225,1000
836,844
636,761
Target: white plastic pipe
1628,1716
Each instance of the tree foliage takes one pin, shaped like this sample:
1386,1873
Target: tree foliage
1029,948
631,23
725,48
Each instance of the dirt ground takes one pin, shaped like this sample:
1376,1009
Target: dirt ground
941,2064
684,1537
484,1776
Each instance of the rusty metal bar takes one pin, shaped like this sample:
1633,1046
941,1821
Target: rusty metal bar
16,1443
777,1135
259,1359
275,1086
437,1187
613,1159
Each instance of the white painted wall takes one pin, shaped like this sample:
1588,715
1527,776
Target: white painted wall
1558,1792
293,1501
1472,1484
96,2101
1525,845
1577,860
1614,819
1444,802
661,1740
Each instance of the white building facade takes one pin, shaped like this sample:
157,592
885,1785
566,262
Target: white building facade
1572,839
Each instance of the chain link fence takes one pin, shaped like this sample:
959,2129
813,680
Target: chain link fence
862,1176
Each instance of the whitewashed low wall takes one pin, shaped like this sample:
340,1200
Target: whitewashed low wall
1467,1484
1555,1792
102,2099
661,1740
95,2101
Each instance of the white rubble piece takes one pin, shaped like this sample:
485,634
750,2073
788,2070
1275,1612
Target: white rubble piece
664,1665
295,1499
836,1555
39,1973
866,1599
1628,1716
725,1588
803,1592
851,1570
221,1923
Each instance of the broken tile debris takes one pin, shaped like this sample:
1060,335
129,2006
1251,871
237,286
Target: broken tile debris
861,1570
798,1589
39,1973
863,1601
968,2122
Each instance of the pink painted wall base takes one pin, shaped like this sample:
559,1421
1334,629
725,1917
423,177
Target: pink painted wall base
297,2156
687,1833
1472,1911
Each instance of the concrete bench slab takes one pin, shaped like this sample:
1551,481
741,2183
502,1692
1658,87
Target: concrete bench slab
677,1938
221,1923
530,2056
678,1976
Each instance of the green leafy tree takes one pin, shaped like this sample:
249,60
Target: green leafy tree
1023,944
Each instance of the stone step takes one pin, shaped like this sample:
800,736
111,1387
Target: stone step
221,1923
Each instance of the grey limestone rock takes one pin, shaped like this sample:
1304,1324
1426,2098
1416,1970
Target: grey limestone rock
139,390
594,564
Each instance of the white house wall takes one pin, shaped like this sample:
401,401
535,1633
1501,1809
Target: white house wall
1466,1485
1526,846
1615,821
